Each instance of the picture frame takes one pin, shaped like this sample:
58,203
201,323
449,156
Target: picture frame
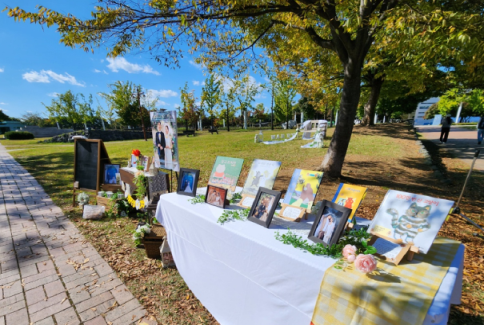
188,182
329,224
146,161
264,206
134,161
111,174
219,192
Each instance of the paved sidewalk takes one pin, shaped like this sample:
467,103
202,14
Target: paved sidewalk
49,273
462,143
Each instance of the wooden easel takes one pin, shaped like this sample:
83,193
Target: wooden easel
408,249
101,159
302,213
245,196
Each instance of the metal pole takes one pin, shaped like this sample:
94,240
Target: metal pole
141,114
467,178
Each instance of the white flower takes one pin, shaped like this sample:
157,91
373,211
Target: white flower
138,204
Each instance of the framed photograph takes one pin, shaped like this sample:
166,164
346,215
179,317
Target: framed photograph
111,174
145,160
329,224
216,196
165,140
264,205
188,182
134,161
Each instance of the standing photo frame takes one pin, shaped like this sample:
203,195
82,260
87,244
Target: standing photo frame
264,206
329,224
111,174
216,196
188,182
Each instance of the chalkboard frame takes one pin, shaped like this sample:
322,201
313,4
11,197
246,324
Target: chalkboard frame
102,158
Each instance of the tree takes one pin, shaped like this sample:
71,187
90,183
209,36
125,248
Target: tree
245,91
125,100
189,111
33,119
221,32
4,117
283,98
74,107
211,95
227,101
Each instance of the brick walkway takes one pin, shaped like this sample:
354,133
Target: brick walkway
49,274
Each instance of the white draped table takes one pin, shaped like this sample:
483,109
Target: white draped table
243,275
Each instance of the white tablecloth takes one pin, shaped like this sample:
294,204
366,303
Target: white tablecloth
243,275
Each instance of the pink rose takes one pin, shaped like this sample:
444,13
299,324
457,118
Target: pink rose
349,250
351,258
365,263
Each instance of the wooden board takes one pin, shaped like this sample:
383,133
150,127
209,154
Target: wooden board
90,155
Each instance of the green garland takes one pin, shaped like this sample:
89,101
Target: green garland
230,215
235,197
358,238
198,199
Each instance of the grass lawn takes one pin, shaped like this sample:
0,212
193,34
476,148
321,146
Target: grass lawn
381,158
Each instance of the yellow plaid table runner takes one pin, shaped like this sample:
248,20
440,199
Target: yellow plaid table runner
391,295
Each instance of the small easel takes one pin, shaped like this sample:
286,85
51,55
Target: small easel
408,249
242,200
302,213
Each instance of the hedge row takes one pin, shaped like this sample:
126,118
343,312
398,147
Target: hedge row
14,135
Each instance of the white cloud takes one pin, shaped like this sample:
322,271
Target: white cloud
35,76
163,93
99,71
162,103
29,112
45,76
196,83
2,103
176,106
54,94
2,69
4,110
117,64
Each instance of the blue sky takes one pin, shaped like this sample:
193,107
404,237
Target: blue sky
34,66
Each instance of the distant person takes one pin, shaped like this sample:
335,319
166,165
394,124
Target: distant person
446,123
480,130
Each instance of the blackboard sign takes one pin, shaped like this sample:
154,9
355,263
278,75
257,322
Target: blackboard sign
89,159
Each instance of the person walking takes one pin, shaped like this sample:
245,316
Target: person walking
446,123
480,130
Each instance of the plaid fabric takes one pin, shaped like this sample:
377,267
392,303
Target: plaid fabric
391,295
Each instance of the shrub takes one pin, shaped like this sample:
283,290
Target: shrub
14,135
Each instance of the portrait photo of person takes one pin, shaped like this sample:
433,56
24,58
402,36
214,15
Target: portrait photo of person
160,142
110,172
264,205
330,223
216,196
188,181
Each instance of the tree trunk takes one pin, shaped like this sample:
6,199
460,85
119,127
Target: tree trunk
370,106
228,121
333,160
245,119
186,124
